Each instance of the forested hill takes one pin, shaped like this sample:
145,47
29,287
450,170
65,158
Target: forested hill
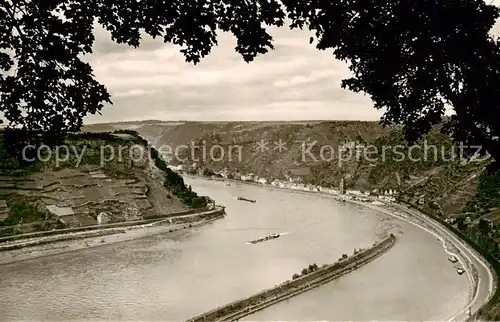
431,175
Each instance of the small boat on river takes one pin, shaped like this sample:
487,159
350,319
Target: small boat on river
247,200
460,271
453,258
265,238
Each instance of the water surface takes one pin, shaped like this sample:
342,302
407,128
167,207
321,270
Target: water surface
166,277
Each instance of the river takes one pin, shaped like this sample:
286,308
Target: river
176,277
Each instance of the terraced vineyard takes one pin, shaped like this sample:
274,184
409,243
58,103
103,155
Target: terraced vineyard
70,194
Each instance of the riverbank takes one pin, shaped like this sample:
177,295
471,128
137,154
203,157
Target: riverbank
482,277
19,250
241,308
93,227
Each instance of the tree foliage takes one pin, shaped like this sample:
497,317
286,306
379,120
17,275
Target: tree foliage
413,58
416,57
46,86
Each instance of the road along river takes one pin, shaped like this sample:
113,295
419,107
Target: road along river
484,272
174,277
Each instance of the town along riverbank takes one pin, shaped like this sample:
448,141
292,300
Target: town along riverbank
300,284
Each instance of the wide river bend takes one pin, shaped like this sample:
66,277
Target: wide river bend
175,277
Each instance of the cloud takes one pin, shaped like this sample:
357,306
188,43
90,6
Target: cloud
313,77
135,92
495,30
294,81
104,45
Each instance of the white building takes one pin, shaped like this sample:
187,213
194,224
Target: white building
60,211
102,218
176,167
246,177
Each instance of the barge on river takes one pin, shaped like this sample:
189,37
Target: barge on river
263,239
245,199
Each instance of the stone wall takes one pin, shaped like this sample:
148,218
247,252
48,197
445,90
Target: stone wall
92,231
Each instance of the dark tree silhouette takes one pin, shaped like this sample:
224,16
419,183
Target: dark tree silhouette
412,57
45,85
415,57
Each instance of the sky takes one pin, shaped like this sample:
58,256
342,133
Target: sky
294,82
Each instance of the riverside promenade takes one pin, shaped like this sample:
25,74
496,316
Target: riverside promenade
22,249
115,228
241,308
